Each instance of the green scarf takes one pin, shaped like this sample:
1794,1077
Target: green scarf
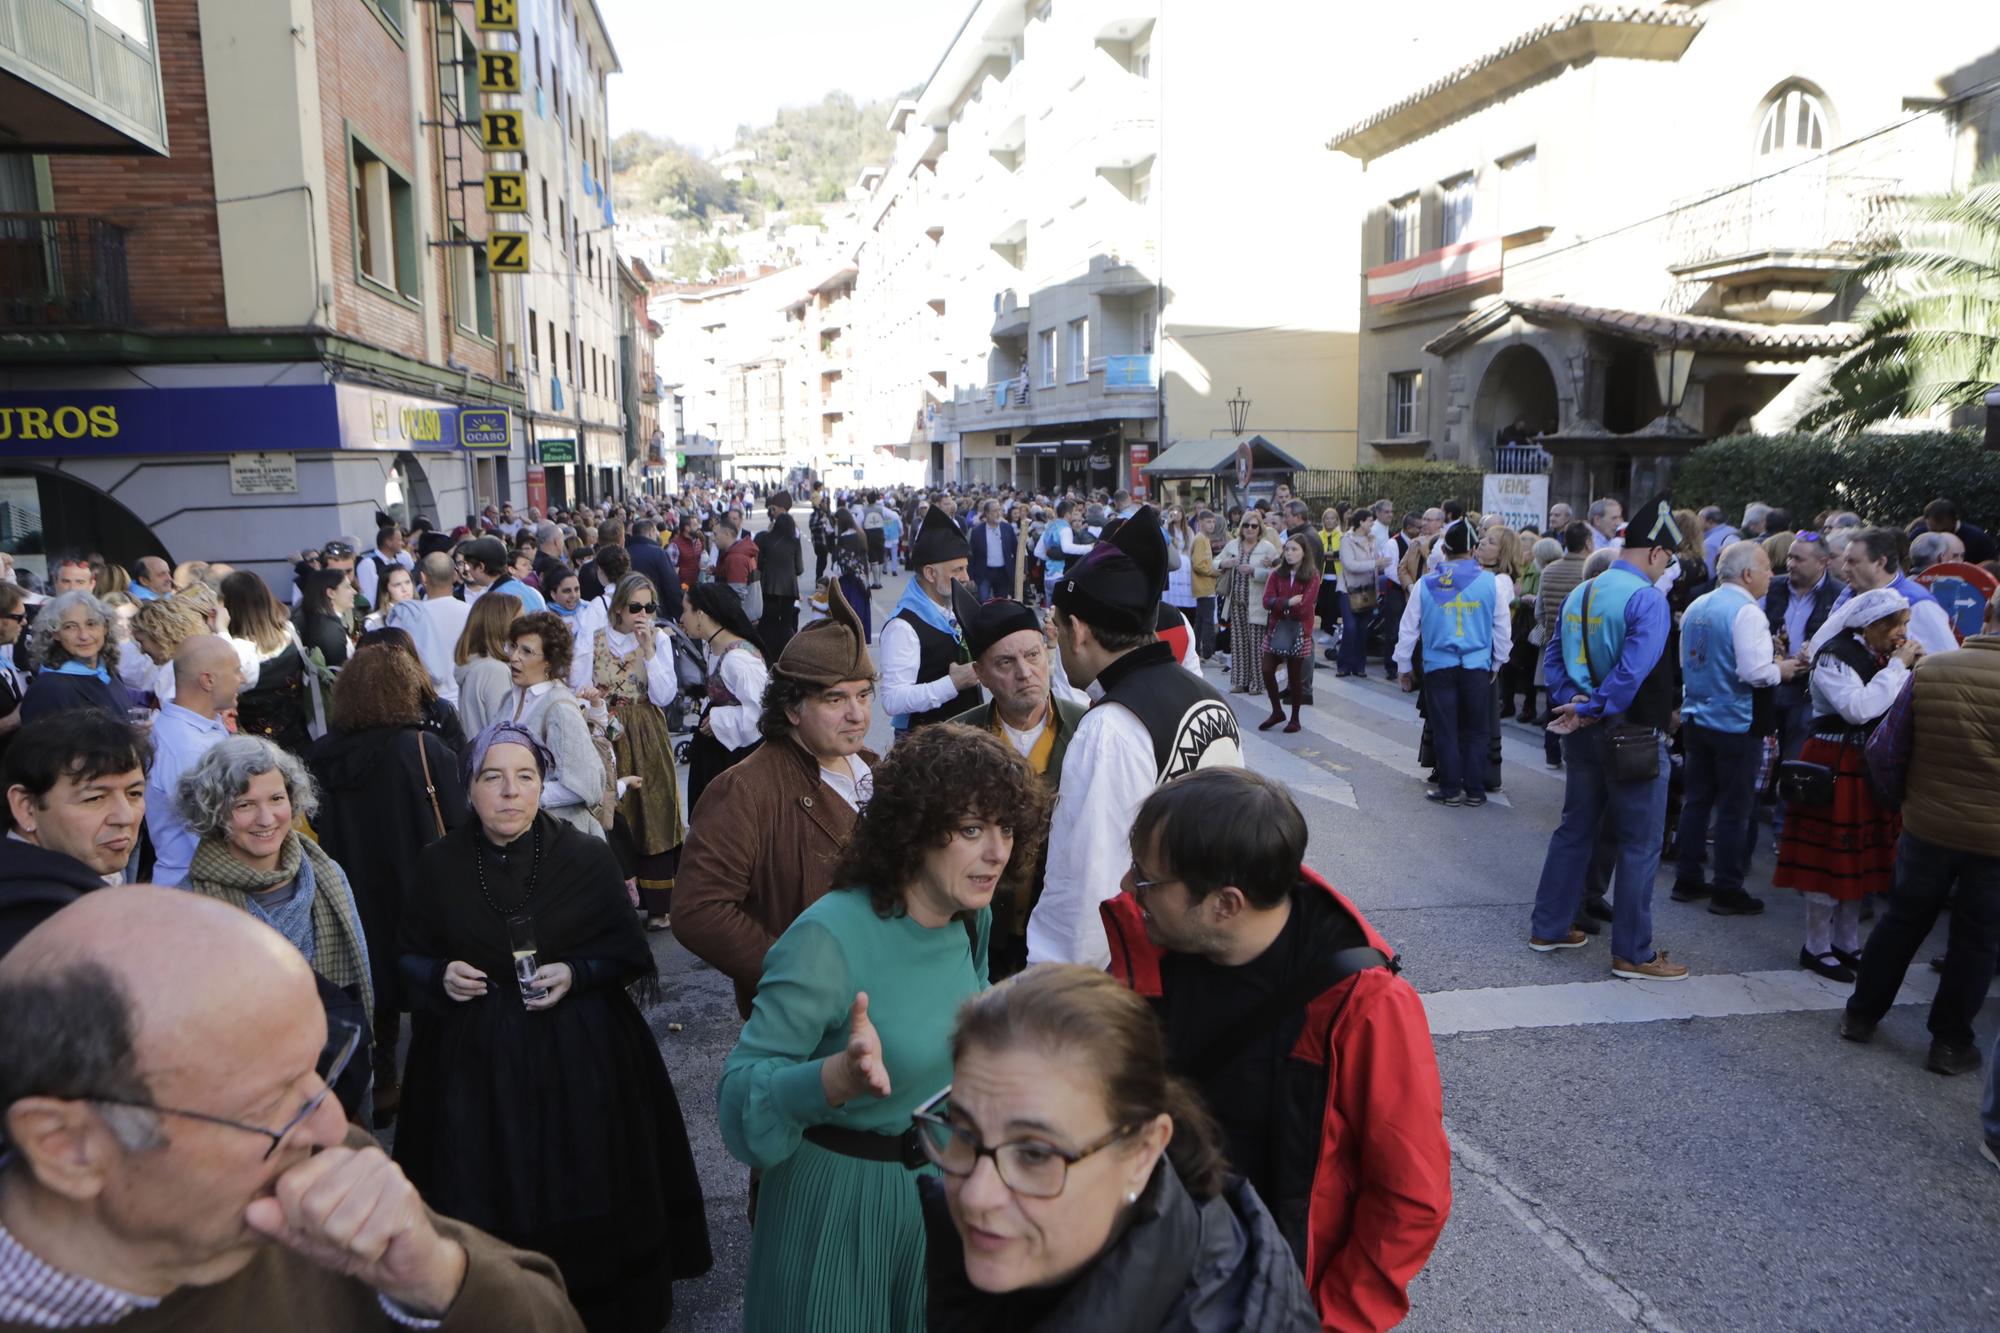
217,873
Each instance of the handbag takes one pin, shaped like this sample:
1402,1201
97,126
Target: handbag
1632,752
1362,598
1801,783
1283,640
430,786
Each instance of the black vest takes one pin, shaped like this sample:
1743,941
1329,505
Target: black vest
1191,725
936,653
1793,692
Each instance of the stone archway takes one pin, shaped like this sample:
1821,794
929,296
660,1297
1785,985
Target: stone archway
45,512
1517,387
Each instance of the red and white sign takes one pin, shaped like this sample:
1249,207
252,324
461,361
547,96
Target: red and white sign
538,488
1141,455
1441,270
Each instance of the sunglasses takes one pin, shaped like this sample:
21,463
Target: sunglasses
1805,536
640,608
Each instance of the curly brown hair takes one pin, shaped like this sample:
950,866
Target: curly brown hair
932,780
381,686
558,644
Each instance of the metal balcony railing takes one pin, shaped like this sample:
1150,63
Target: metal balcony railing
1809,208
62,271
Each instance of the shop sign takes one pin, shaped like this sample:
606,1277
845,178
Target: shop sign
538,489
550,452
483,427
263,474
506,192
507,251
499,71
100,422
372,419
497,16
1521,498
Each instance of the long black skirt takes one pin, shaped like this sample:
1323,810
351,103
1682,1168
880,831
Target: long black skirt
708,759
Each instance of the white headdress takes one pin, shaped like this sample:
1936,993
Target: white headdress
1861,609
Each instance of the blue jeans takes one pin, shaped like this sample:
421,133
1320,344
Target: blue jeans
1353,658
1925,873
1719,777
1637,812
1458,702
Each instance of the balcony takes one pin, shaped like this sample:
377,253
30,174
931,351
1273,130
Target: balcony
62,272
1010,315
80,78
1777,248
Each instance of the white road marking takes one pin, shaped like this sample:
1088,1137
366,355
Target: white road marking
1401,756
1581,1003
1296,771
1517,751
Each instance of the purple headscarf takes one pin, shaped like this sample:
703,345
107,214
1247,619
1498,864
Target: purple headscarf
503,733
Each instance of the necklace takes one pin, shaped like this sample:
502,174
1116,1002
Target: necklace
534,870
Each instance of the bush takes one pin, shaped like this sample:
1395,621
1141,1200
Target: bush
1417,487
1884,478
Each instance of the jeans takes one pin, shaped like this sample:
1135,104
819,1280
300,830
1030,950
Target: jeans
1925,873
1458,702
1718,777
992,583
1353,639
1204,627
1637,812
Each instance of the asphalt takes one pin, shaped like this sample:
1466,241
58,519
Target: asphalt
1749,1171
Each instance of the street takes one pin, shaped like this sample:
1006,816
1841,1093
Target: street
1696,1155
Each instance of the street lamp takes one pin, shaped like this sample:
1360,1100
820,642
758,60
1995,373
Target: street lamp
1239,412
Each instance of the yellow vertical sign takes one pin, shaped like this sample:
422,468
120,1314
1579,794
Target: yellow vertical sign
507,251
499,71
506,191
498,15
501,132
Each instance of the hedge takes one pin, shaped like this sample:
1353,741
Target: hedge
1416,487
1884,478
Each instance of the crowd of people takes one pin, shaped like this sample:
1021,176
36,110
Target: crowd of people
1047,1021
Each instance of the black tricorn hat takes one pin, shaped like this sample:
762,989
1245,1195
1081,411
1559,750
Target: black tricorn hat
1118,585
1652,524
939,540
986,623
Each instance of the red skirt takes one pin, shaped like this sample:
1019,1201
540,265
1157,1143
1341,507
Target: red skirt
1846,850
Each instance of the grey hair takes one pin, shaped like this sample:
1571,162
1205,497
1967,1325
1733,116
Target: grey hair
1755,512
1599,508
1839,540
1600,560
45,648
1710,514
68,1033
1547,551
1845,518
220,777
1928,549
1736,560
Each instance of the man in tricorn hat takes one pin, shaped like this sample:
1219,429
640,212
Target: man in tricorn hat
762,843
1012,656
1154,722
927,673
1613,688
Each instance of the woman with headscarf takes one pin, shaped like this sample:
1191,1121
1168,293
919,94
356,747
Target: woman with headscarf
240,799
737,675
1838,851
535,1102
75,659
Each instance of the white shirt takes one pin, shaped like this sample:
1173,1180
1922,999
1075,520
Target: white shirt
1756,660
434,624
661,683
365,577
1024,741
1837,688
745,675
993,556
1409,630
181,737
1108,771
1931,627
902,693
856,785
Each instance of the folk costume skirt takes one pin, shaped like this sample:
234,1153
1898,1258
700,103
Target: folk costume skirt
1846,849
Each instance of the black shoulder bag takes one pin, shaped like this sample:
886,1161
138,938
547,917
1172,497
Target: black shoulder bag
1632,752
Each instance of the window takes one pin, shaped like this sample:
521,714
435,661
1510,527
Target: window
562,225
1047,344
390,12
468,77
1404,388
1455,209
1079,350
1520,200
569,359
534,342
545,205
1794,124
1402,239
385,222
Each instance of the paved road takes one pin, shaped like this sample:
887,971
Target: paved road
1700,1156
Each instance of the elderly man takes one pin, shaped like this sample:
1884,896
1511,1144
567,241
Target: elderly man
1716,533
178,1160
73,575
1875,560
1726,652
76,794
1935,548
991,543
1560,517
207,676
1604,517
1011,655
1755,515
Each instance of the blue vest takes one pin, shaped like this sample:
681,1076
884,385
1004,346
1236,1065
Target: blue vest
1458,606
1712,694
1614,587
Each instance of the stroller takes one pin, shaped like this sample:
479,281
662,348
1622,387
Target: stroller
691,676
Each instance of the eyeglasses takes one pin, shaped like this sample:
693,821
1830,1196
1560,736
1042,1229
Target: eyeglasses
342,1040
1026,1166
641,608
1141,885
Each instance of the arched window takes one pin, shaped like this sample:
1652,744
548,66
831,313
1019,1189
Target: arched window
1794,124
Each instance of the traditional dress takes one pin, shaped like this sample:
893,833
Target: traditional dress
556,1130
1243,596
838,1245
736,681
636,690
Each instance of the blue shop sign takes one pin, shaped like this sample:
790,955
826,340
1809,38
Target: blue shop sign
483,427
236,419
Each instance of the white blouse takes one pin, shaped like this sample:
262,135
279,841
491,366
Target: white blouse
1837,688
745,676
661,683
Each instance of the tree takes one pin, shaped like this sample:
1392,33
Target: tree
1930,325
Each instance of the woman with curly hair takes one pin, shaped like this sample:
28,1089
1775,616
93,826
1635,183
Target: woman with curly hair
851,1032
538,654
76,660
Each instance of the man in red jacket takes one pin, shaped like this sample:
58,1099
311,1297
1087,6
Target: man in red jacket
1283,1005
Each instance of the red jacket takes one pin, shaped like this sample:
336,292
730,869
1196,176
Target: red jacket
1381,1185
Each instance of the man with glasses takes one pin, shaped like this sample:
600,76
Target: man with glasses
1283,1005
193,1171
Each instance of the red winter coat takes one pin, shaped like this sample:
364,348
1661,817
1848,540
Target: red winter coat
1381,1184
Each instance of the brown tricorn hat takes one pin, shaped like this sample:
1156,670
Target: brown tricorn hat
829,651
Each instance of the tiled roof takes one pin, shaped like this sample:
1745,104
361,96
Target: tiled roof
1698,332
1577,18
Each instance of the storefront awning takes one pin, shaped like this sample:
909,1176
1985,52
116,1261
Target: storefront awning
1206,457
1068,439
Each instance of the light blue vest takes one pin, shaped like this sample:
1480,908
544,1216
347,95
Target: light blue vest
1458,605
1712,694
1614,587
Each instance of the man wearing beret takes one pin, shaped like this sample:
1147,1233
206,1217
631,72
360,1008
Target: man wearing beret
927,673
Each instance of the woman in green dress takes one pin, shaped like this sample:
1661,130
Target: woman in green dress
851,1032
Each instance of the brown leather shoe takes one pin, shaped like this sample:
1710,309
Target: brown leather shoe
1659,969
1576,939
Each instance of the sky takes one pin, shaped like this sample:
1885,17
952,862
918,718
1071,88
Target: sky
696,69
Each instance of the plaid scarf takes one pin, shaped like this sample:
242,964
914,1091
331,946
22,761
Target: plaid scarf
341,956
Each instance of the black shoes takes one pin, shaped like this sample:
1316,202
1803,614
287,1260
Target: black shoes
1853,960
1946,1058
1587,924
1829,967
1736,904
1855,1029
1597,905
1691,890
1439,798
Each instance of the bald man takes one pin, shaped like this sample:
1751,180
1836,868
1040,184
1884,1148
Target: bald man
207,675
178,1158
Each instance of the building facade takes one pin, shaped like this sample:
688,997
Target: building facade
1623,230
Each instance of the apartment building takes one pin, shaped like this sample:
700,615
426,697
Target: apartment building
1077,257
1618,231
645,437
276,320
573,314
